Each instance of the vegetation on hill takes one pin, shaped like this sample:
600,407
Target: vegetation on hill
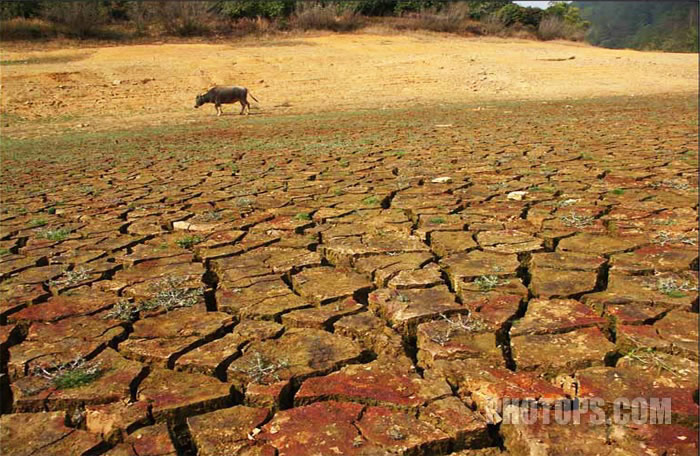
118,19
667,26
670,26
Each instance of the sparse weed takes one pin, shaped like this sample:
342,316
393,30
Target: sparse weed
244,202
395,433
262,370
618,191
123,310
72,277
567,202
302,216
673,288
211,216
437,220
455,325
665,237
74,374
4,252
647,356
577,221
489,282
170,294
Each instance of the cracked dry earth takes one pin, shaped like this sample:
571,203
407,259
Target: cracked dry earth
352,283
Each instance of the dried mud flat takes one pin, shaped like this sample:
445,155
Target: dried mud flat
348,282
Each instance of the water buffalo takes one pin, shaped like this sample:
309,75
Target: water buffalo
223,95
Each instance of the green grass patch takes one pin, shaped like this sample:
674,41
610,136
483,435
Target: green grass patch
302,216
188,241
370,201
35,222
55,235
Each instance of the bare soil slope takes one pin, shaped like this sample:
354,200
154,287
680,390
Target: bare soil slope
121,86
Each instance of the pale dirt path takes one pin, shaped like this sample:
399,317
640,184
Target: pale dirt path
125,86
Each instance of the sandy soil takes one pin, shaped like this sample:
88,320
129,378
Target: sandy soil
107,87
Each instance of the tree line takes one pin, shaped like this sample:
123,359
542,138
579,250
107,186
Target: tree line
670,26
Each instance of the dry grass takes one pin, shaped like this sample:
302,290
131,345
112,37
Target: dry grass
326,17
554,28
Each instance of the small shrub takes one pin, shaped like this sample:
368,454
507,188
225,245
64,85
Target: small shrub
170,294
73,277
576,221
187,18
81,19
315,16
489,282
553,28
262,370
122,310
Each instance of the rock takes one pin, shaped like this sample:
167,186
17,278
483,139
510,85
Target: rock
372,384
226,430
321,317
555,316
153,441
173,394
116,420
297,354
517,196
466,428
554,353
48,345
455,338
32,394
321,428
444,243
324,285
163,338
405,309
441,180
400,432
24,434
